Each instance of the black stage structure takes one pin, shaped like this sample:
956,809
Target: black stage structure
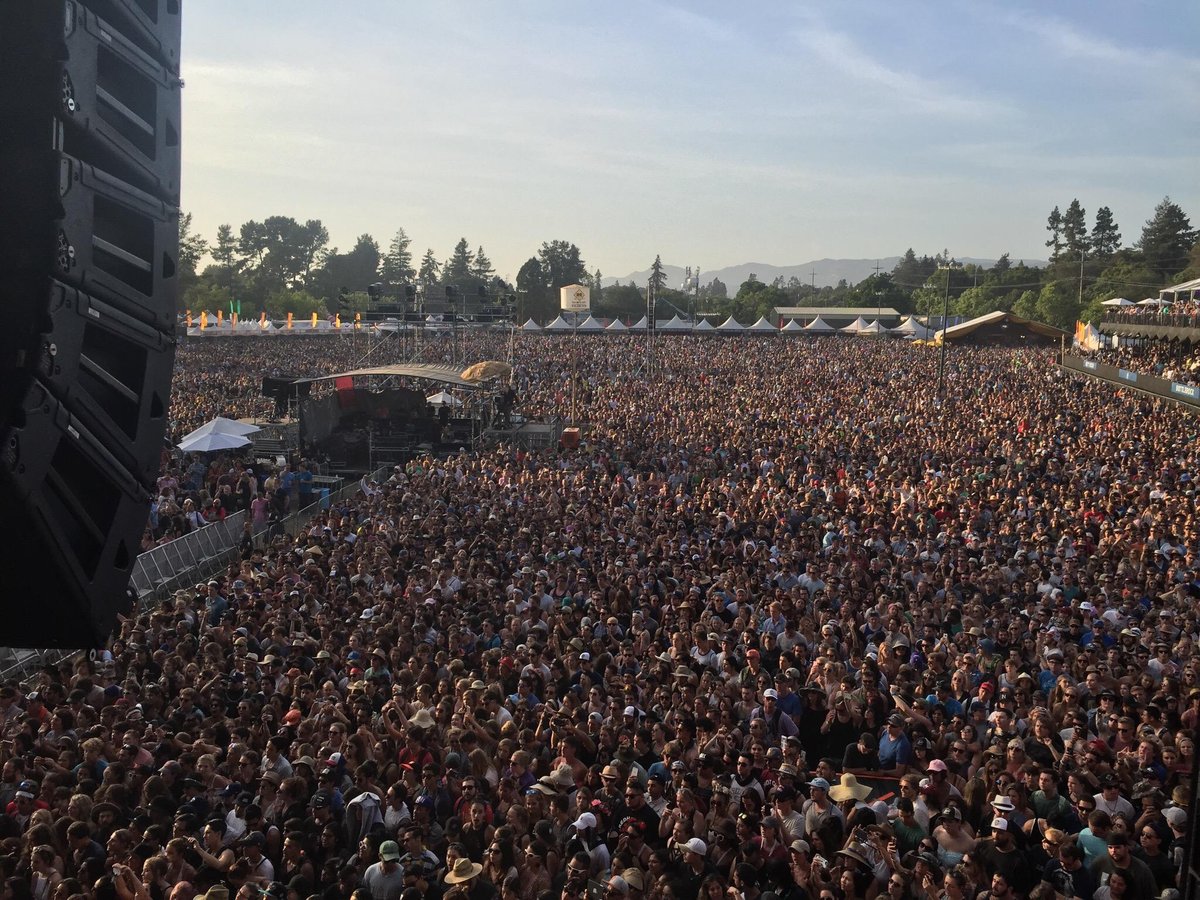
381,416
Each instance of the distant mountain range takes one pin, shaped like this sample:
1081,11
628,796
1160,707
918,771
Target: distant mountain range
825,272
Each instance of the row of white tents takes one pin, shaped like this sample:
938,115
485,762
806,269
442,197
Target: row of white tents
909,328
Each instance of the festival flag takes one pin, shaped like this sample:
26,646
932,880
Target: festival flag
314,320
203,319
220,317
289,321
239,308
358,320
337,321
189,318
233,319
262,319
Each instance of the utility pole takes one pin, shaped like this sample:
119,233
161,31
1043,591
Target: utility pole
878,293
1082,256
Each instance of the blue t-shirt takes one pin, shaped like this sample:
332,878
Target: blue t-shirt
894,753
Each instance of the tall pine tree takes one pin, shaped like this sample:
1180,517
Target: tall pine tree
1106,239
1075,230
1054,225
430,268
396,266
658,277
482,267
458,266
1166,239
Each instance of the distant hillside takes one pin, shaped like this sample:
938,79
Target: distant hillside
825,272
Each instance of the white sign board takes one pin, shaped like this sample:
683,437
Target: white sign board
575,298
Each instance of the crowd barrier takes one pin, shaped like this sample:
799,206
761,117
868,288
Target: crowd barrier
1187,394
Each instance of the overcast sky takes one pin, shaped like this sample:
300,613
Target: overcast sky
712,133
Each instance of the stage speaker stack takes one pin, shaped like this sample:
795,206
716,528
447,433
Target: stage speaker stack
89,245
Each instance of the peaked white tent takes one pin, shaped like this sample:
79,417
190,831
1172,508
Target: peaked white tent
617,325
731,325
559,324
910,327
531,325
872,329
762,326
703,325
855,327
1154,301
222,425
639,325
591,323
792,326
1118,301
819,326
441,398
675,324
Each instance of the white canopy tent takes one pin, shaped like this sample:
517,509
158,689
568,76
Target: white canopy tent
675,324
1154,301
855,327
222,425
531,326
872,329
559,324
910,327
441,398
639,325
762,326
819,326
208,443
703,325
616,325
792,327
731,326
1118,301
591,323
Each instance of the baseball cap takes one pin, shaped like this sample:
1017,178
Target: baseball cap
389,851
694,845
999,824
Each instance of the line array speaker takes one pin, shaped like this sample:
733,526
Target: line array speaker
89,246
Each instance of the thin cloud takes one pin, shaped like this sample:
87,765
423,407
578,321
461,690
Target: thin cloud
838,52
1064,38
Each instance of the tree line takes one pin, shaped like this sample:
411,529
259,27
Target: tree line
281,265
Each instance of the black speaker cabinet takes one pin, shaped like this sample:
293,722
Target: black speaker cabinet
89,245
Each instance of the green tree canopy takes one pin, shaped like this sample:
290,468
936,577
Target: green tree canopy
347,273
1166,239
396,267
561,264
458,266
430,268
658,278
1054,225
1106,238
1075,231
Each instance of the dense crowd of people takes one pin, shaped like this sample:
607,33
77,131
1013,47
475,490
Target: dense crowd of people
786,625
1176,361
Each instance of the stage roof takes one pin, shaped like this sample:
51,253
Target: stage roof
999,318
440,374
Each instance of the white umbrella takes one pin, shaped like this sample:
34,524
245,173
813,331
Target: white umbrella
1118,301
206,443
1154,301
222,425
